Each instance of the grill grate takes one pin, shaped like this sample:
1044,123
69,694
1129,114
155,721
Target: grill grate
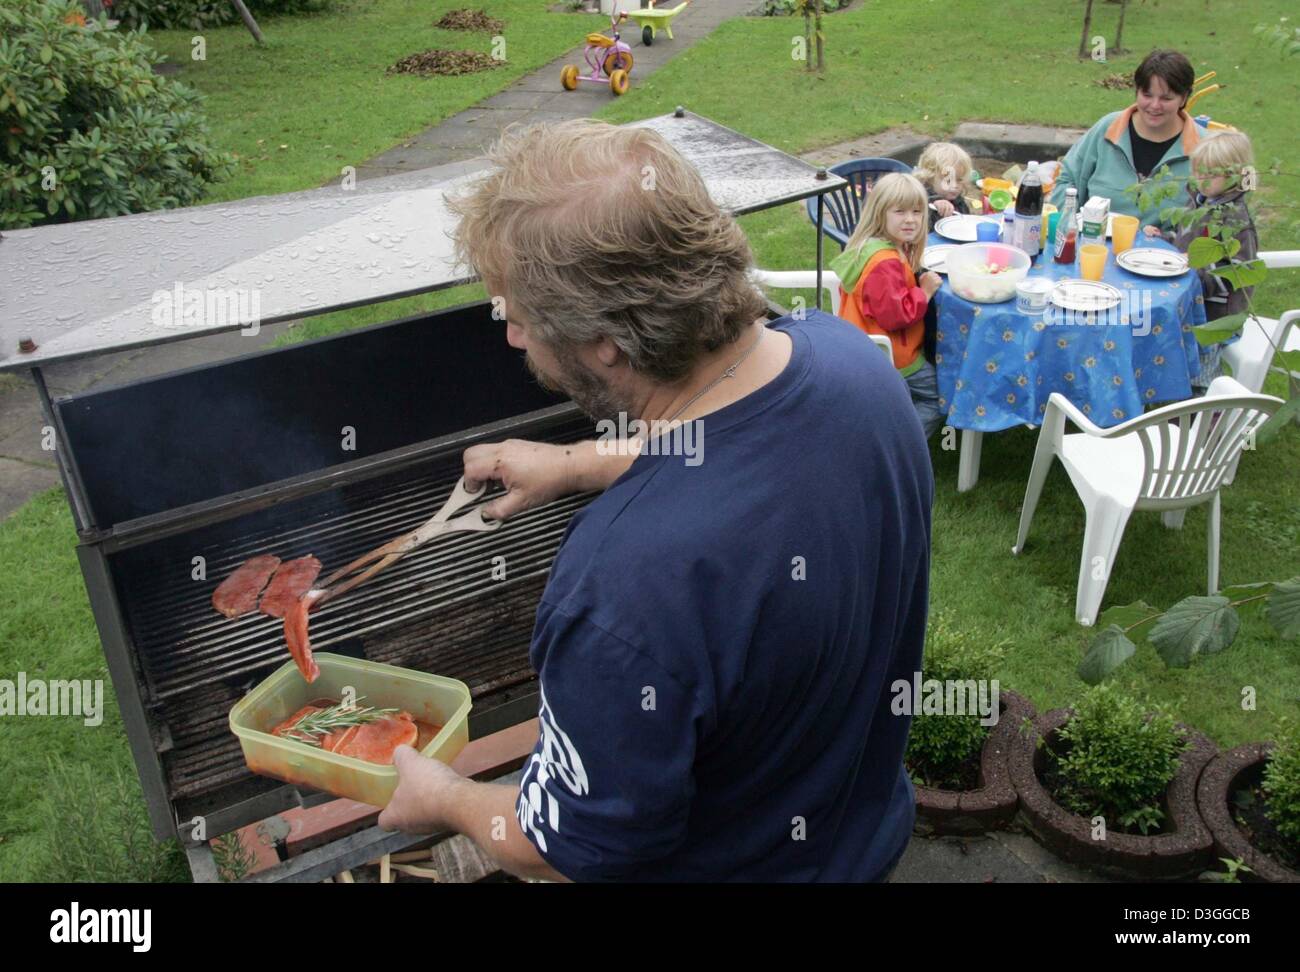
438,609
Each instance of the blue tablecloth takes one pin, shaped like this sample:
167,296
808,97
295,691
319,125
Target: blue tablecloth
997,367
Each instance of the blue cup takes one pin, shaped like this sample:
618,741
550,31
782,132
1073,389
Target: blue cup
987,232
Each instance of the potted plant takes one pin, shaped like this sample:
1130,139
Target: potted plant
1249,797
957,749
1111,785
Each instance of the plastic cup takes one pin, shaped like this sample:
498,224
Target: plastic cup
1048,212
1123,231
987,232
1000,199
1049,238
1092,261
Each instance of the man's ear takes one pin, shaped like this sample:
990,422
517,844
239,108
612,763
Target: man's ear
607,352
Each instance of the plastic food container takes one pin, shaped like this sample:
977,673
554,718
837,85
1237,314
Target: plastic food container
1032,295
986,273
429,698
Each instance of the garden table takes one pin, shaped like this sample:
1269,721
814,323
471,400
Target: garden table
997,366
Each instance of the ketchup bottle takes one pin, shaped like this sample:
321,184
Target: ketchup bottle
1066,232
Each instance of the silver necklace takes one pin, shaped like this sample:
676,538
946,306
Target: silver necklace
729,373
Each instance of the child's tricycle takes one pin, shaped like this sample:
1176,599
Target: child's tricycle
650,20
609,58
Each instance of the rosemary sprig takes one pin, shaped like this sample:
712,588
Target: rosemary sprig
322,722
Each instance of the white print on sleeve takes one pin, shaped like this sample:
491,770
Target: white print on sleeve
557,760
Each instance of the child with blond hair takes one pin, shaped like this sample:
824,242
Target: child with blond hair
1221,176
879,289
944,169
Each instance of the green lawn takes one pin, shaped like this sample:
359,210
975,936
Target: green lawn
319,88
314,98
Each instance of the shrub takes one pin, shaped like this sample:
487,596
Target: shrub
99,830
197,14
939,746
86,128
1119,758
1282,782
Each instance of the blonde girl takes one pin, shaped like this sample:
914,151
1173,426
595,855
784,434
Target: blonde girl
880,292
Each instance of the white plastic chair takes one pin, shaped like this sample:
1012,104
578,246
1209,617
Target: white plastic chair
1147,463
1251,356
800,280
807,280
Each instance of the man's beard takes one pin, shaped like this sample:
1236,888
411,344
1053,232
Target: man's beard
596,398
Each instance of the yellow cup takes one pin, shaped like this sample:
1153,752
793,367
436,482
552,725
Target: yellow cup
1048,209
1123,231
1092,261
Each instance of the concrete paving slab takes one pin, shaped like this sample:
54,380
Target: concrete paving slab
999,858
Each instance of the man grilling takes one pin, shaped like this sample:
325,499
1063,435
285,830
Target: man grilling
720,631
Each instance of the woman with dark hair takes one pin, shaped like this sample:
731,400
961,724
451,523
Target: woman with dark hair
1128,146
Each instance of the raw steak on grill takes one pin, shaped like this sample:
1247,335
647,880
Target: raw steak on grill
291,581
237,594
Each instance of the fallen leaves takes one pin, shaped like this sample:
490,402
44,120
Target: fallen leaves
466,19
441,62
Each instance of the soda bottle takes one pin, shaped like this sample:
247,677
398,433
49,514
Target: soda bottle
1029,212
1066,232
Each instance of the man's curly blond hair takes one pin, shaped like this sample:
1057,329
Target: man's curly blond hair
591,230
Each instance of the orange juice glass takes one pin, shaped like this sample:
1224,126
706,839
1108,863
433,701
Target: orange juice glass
1092,261
1123,231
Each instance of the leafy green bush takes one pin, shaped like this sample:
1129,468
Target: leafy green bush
1282,782
86,128
1118,759
939,746
197,14
789,8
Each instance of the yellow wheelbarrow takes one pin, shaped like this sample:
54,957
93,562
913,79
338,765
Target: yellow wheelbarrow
652,20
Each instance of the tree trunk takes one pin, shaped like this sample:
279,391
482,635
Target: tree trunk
248,20
1119,31
93,8
821,55
807,37
1087,28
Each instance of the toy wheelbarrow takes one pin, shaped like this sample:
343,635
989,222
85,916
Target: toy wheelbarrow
652,20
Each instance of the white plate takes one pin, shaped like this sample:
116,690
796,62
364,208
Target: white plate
1110,223
936,257
1147,261
1085,295
960,227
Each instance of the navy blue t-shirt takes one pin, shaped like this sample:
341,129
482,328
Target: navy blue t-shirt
719,633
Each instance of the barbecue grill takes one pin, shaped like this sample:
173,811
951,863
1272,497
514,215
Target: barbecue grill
329,447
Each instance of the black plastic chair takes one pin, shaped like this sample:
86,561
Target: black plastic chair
844,205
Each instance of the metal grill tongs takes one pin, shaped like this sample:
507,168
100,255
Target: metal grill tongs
439,524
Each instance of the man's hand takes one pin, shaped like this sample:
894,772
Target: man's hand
930,282
426,791
538,472
1152,231
533,472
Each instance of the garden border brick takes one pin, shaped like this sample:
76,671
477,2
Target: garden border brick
992,805
1229,771
1180,854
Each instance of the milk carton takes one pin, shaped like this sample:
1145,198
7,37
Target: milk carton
1094,215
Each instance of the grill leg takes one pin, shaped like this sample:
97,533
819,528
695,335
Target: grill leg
202,864
821,209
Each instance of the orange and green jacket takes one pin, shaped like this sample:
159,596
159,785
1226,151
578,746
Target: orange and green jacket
878,293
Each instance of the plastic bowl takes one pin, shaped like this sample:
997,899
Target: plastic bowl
971,278
429,698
